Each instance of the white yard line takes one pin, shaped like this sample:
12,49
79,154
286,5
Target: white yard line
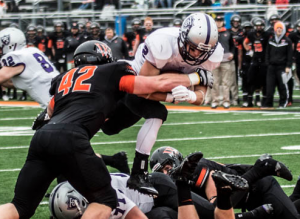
17,118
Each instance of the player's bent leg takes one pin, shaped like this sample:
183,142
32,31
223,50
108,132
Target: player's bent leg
8,211
97,211
121,118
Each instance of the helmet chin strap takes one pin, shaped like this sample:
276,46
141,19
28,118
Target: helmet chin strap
78,207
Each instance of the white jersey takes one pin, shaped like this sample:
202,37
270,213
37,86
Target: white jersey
128,198
161,50
37,74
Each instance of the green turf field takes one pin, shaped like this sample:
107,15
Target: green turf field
224,136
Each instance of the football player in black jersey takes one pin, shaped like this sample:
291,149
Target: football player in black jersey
263,189
82,99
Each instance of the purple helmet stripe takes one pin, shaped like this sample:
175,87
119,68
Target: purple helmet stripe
208,29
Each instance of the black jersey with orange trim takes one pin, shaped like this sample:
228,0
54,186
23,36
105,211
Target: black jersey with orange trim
259,44
86,94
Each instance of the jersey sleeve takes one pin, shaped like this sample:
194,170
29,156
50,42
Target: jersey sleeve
157,50
124,206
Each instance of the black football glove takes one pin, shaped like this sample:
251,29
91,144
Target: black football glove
206,77
41,120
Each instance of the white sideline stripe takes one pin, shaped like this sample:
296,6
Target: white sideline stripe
180,139
251,155
201,138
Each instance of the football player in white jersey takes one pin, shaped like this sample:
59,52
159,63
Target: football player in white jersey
28,68
192,48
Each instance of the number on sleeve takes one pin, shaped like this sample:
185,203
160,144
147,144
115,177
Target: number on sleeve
45,65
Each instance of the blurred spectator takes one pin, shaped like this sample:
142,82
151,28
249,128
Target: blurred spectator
279,60
158,3
71,43
42,40
31,36
289,29
202,3
273,19
236,31
295,38
144,32
271,10
3,8
98,4
88,26
96,32
130,37
282,4
117,44
12,7
56,44
83,34
246,59
177,22
255,44
222,73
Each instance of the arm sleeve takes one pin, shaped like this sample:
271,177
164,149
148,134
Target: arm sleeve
267,57
126,83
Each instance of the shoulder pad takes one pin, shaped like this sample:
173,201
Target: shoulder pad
160,47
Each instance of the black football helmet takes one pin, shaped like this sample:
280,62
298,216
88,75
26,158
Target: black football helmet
163,156
92,52
259,25
31,30
235,21
274,18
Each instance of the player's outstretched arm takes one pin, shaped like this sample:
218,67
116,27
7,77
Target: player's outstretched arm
7,73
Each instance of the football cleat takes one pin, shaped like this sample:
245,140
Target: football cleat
273,167
224,179
120,162
184,172
140,182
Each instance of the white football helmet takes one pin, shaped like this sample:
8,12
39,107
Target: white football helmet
11,39
198,31
66,203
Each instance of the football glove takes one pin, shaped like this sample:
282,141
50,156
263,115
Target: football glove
182,94
206,77
41,120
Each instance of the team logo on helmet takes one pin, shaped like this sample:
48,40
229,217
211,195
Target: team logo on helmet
5,39
189,22
72,202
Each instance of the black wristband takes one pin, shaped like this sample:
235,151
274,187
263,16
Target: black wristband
183,193
223,199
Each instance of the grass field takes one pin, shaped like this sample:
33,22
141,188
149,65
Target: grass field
222,135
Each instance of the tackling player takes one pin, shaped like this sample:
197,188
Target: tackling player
192,48
28,68
82,99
